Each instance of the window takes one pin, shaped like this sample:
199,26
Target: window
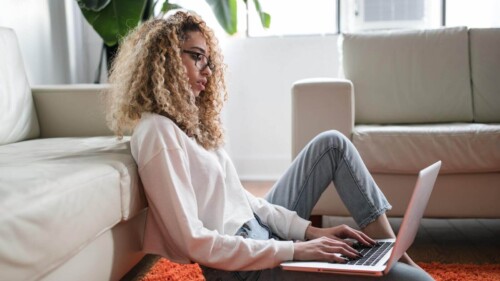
361,15
313,17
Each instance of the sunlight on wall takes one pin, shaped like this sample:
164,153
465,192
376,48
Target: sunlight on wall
484,13
298,18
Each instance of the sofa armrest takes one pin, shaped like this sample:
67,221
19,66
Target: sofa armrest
70,110
319,105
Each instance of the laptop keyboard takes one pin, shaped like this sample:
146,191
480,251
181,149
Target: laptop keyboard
371,255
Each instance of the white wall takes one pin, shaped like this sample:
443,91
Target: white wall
261,72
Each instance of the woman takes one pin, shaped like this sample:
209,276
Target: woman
169,88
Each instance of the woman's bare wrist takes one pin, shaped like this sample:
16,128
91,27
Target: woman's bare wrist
310,232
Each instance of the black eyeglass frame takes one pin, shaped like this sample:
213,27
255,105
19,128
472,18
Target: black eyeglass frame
209,63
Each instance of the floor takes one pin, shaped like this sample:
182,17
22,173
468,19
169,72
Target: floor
444,240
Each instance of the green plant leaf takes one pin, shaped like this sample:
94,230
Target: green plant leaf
149,9
116,19
93,5
169,6
265,18
226,13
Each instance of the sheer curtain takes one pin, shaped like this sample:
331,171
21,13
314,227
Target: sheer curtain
84,46
57,44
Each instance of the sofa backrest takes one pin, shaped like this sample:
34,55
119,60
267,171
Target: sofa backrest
485,71
413,76
18,120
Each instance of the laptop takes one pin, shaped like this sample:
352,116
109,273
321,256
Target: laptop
378,260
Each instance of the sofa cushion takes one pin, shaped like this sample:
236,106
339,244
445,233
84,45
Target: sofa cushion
463,148
419,76
57,195
485,71
17,113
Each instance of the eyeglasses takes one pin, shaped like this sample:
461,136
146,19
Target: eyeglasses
200,60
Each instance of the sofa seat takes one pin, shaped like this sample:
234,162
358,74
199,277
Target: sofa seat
48,186
463,147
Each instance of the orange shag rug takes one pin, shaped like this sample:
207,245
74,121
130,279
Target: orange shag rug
165,270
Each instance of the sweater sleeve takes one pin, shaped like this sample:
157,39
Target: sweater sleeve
283,222
172,205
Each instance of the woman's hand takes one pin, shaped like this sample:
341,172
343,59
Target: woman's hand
339,233
324,249
328,244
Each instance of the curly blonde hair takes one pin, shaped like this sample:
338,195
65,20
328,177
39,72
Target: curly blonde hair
147,75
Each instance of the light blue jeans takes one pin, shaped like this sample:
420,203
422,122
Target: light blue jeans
328,157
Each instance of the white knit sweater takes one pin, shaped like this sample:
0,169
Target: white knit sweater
197,203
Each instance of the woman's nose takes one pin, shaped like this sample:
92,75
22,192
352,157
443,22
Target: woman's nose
206,71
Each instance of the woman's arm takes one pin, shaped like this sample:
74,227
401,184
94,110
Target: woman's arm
283,222
174,211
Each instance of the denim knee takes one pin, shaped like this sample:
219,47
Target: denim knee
332,139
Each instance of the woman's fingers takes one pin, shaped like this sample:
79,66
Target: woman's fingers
348,232
362,238
326,249
332,257
340,247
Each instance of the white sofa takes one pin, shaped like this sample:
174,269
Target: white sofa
71,203
409,98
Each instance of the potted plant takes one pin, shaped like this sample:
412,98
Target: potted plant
113,19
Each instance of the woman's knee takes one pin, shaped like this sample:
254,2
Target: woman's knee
402,271
331,138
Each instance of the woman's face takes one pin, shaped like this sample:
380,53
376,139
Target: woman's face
195,58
